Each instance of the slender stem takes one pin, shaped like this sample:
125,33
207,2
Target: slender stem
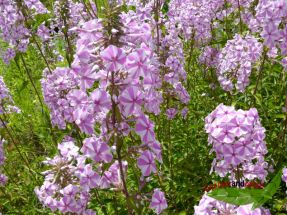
38,95
122,174
32,82
93,14
285,122
25,11
87,9
226,21
170,148
69,52
16,146
118,143
115,204
260,71
240,19
191,50
92,9
42,54
156,7
190,57
103,207
8,174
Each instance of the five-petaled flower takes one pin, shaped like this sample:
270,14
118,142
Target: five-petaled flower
114,58
146,162
158,202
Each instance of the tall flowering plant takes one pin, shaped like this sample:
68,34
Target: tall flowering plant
237,138
109,94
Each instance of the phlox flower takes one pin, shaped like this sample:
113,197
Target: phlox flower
101,100
77,98
68,149
146,162
112,177
70,190
114,58
237,138
97,150
144,128
155,147
158,202
86,75
89,178
208,205
3,179
66,204
131,100
84,119
137,63
247,210
171,113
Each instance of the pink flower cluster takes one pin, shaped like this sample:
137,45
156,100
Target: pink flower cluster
69,180
74,12
114,83
55,88
194,17
174,64
235,62
6,102
64,18
270,22
237,138
197,20
36,6
208,205
13,28
170,59
209,57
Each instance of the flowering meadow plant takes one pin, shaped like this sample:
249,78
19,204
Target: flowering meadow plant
237,138
133,106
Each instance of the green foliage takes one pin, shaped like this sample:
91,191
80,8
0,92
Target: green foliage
257,197
187,160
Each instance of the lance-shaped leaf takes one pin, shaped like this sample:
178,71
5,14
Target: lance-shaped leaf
256,197
269,190
236,196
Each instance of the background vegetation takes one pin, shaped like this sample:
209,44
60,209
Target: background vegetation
186,153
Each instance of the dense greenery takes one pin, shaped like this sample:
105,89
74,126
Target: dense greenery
187,161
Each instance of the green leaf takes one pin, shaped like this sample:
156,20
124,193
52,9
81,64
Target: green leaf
269,190
236,196
280,116
256,197
273,186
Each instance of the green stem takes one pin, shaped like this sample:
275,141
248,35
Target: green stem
240,19
17,148
260,70
32,82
